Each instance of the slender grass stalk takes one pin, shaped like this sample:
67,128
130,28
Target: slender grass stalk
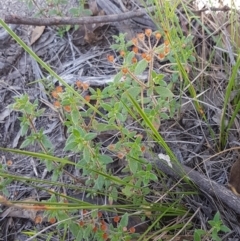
223,128
39,155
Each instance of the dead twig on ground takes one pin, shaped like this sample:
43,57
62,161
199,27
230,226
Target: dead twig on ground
13,19
206,185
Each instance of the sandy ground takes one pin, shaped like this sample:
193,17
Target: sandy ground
17,7
20,7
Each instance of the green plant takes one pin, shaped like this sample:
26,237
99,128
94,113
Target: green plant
127,100
216,227
154,94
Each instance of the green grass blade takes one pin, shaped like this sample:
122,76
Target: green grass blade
231,84
39,155
153,129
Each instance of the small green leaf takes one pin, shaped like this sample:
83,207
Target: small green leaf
74,11
129,57
111,121
105,159
164,116
86,232
24,129
76,27
121,117
133,165
217,217
225,229
175,78
127,191
75,116
86,154
113,194
55,175
70,146
26,143
81,131
153,177
74,228
90,136
46,142
99,182
49,165
141,67
197,237
161,83
215,237
163,92
106,106
102,127
133,91
124,220
68,27
211,222
40,112
117,106
115,46
192,59
75,134
53,12
158,80
147,100
80,234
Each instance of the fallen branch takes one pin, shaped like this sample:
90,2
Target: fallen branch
210,187
13,19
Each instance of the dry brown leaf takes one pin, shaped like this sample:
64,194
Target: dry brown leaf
36,34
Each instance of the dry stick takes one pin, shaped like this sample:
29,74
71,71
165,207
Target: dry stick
209,186
13,19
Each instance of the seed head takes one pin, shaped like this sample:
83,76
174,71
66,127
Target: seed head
158,36
122,53
148,32
110,58
141,36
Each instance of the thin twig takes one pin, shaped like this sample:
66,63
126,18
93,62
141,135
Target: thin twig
72,21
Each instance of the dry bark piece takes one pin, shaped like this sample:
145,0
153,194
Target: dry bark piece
206,185
234,179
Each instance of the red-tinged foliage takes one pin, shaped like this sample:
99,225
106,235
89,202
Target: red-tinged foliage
132,230
105,236
116,219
